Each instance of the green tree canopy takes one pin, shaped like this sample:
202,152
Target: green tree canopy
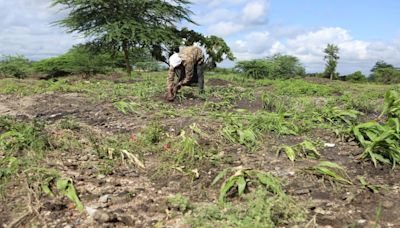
215,47
381,65
331,57
123,25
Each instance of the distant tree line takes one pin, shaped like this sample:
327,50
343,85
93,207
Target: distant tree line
285,66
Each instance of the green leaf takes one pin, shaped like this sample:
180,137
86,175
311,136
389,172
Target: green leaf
46,190
226,187
67,189
309,146
269,181
241,182
219,176
330,164
328,172
290,153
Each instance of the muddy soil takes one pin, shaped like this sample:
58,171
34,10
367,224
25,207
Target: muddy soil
135,197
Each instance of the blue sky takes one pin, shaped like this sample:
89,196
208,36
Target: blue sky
365,30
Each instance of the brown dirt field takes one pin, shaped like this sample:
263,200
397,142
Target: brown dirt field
133,197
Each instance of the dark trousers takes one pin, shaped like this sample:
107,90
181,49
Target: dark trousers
198,76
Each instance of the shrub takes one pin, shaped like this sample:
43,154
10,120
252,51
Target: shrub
275,67
16,66
148,66
356,77
79,60
386,76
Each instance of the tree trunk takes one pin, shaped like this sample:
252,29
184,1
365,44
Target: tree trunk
331,76
125,47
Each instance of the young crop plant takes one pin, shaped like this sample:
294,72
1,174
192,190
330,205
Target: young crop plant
64,187
273,103
371,187
188,150
304,149
381,141
152,134
126,107
391,105
242,178
337,116
238,134
332,171
279,123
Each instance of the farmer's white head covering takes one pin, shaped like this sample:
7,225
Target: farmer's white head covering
175,60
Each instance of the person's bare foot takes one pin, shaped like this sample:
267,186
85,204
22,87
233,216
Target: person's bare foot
170,97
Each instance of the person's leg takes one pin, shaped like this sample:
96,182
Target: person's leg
180,72
170,85
200,76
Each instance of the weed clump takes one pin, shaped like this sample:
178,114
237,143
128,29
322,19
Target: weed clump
179,202
258,209
18,138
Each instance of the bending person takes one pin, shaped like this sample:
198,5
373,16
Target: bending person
188,65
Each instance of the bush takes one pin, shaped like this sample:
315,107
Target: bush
356,77
148,66
79,60
275,67
16,66
386,76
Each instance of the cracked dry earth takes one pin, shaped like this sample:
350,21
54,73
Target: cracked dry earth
130,197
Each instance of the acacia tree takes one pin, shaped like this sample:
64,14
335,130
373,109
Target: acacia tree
124,25
331,57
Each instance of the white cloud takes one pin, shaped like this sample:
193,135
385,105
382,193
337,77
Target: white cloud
225,28
214,3
308,47
26,29
255,12
226,18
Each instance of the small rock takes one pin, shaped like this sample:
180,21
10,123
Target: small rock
84,158
387,204
103,217
321,211
329,145
302,191
104,199
361,221
101,176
